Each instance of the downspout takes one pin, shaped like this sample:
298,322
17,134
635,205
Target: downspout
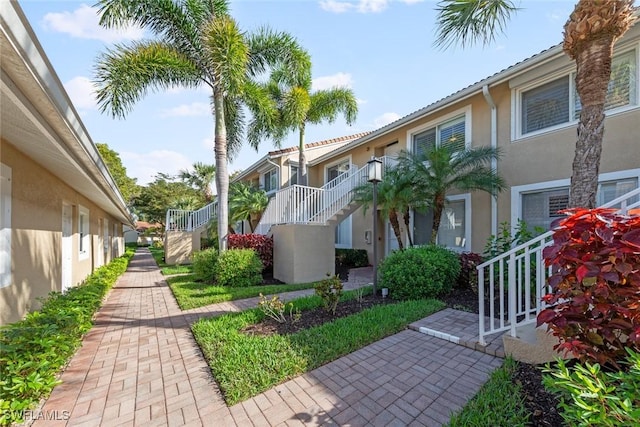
494,162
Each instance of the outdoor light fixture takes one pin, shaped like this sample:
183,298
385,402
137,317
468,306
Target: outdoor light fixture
375,176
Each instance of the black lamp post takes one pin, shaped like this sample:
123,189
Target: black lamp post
375,176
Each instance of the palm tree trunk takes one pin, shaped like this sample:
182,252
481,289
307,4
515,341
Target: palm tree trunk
302,160
592,78
438,207
222,177
407,223
393,218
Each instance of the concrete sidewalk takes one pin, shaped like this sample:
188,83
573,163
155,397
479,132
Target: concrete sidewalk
140,365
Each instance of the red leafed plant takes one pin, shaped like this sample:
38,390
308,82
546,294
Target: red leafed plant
263,245
595,288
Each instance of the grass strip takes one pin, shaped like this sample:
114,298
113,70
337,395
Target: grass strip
245,366
498,403
35,349
192,294
167,270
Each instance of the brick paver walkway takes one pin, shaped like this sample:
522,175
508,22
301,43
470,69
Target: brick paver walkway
140,365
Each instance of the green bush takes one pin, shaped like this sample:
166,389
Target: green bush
420,272
330,290
239,268
33,350
352,257
204,264
591,396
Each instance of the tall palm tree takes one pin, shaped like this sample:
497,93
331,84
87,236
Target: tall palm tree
297,106
443,169
395,199
201,178
589,37
197,43
247,203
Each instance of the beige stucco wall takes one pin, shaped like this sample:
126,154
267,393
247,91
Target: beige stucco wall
303,253
36,238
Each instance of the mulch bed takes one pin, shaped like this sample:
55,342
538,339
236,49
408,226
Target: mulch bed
314,317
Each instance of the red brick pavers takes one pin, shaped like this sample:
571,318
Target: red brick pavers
140,365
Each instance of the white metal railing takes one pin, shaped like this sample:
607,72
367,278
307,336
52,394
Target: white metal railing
516,280
185,220
298,204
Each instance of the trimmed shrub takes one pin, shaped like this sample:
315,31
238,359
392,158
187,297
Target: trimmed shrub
595,288
330,290
468,277
352,257
262,245
36,348
204,264
420,272
239,268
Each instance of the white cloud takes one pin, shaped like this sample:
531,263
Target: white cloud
361,101
82,93
343,80
411,1
372,6
336,6
144,166
385,119
360,6
83,23
187,110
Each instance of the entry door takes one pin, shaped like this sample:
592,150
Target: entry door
105,239
67,246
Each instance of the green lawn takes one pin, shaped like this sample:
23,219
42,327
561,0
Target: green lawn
158,254
245,365
498,403
192,294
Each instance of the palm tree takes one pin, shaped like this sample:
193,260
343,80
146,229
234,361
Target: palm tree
395,199
589,37
197,43
200,178
247,203
443,169
297,106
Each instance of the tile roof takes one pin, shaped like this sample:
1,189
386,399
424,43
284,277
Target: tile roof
320,143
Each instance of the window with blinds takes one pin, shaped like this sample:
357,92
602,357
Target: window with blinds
557,101
622,85
450,132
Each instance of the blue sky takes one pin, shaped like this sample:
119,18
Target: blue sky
382,49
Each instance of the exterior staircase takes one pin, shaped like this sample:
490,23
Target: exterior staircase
513,283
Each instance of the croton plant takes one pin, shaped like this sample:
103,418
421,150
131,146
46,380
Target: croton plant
594,303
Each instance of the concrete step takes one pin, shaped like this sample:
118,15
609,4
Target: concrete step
531,345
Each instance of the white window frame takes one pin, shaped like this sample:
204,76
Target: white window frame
348,220
519,190
6,276
264,180
465,111
335,163
84,233
291,174
516,98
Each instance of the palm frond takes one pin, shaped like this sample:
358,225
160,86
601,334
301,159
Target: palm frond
278,50
468,21
124,74
327,104
235,120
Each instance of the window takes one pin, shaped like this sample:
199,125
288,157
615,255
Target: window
455,226
541,208
557,102
5,225
336,170
84,242
450,132
271,180
293,175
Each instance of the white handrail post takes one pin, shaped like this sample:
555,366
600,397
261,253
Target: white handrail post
481,305
512,294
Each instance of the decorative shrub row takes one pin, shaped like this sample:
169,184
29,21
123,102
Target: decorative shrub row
263,245
233,267
595,288
420,272
33,350
352,257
